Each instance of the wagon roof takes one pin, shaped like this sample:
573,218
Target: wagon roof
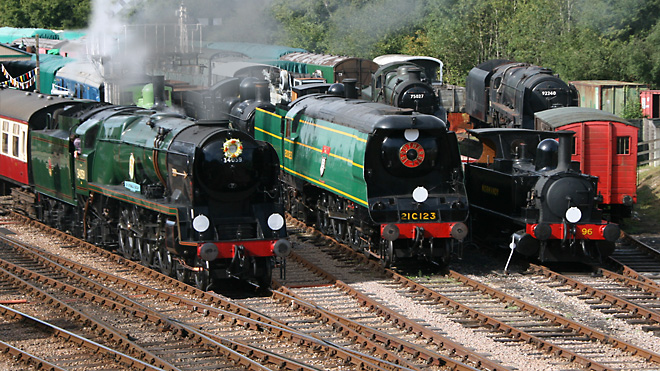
558,117
9,34
255,51
83,72
241,68
391,58
13,103
323,59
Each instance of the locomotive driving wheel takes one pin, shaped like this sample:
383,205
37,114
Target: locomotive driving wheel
166,262
148,249
130,245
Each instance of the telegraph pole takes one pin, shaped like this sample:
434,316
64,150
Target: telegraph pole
36,38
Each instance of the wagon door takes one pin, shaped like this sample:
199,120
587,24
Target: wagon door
597,159
624,171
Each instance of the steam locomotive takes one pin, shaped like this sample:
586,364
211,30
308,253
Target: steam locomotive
405,85
386,180
502,93
196,199
525,192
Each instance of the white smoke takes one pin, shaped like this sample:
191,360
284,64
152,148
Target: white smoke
111,45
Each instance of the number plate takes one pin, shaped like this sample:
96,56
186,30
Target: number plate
418,216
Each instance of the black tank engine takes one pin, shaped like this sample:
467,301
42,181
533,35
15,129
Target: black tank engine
524,189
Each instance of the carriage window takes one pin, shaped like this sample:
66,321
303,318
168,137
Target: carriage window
15,146
23,144
15,130
622,145
5,143
5,137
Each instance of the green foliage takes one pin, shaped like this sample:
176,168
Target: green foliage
646,213
303,23
578,39
52,14
632,110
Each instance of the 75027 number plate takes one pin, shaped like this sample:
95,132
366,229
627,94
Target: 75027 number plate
416,216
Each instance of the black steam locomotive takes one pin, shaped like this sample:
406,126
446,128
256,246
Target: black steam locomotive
196,199
524,190
405,85
502,93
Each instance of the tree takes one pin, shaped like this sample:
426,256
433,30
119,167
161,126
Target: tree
303,23
632,110
52,14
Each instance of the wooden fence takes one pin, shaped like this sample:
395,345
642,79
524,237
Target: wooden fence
648,153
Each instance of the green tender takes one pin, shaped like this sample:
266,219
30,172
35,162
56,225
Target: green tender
306,146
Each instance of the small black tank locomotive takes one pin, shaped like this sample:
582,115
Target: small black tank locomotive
524,190
502,93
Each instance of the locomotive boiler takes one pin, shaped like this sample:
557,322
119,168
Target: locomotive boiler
195,199
525,193
502,93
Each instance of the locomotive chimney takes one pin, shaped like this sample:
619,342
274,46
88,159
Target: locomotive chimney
414,73
262,93
564,155
350,88
159,92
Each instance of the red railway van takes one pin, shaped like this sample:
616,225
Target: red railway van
605,145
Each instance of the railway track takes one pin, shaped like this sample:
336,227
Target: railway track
637,259
127,326
43,345
336,316
505,319
185,311
620,296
